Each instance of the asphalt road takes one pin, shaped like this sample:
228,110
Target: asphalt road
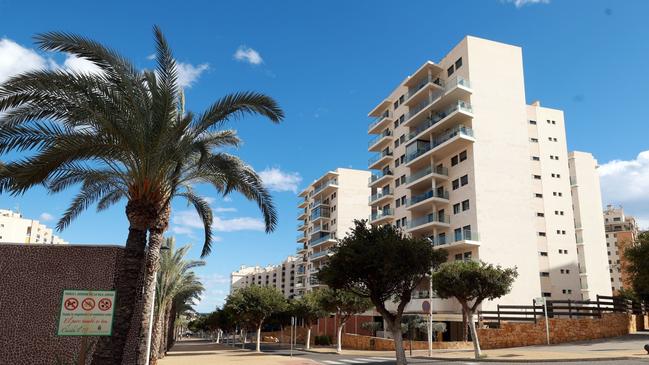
335,359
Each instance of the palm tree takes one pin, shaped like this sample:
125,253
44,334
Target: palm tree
174,280
118,134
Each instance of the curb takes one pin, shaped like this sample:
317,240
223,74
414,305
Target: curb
519,360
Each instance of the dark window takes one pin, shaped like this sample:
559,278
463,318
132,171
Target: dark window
462,156
465,205
458,63
533,122
543,253
454,160
456,208
456,184
450,71
464,180
545,274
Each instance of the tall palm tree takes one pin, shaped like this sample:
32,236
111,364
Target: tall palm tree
175,279
118,134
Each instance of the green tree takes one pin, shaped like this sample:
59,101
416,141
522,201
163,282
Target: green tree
636,266
120,134
382,264
309,310
174,279
471,282
254,304
344,304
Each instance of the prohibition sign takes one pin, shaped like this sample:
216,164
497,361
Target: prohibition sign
71,304
104,304
88,304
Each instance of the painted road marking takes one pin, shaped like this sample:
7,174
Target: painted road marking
333,362
352,361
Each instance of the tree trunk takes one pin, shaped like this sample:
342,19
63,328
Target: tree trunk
243,336
259,338
156,337
398,344
218,336
171,328
110,349
308,338
465,336
474,336
339,341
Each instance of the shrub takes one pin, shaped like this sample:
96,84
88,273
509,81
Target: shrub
323,340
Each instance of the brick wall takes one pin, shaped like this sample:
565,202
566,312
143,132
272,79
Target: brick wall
358,342
514,334
32,281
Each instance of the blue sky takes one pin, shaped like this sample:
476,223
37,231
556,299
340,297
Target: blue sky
328,63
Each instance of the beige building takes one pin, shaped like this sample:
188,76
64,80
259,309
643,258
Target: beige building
326,212
16,229
621,232
461,158
280,276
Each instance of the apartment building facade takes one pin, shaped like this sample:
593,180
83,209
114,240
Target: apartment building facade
14,228
462,160
280,276
326,212
621,231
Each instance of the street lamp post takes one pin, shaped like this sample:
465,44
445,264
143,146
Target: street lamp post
430,307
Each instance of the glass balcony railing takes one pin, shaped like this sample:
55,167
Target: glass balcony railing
324,185
429,122
324,238
413,90
427,195
300,237
315,255
299,248
381,214
380,175
318,202
379,156
573,180
320,228
386,133
375,121
380,194
461,236
301,225
429,218
320,212
425,172
459,130
449,85
301,212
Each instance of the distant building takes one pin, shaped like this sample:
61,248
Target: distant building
621,232
281,276
16,229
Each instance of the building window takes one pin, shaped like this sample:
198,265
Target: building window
396,104
464,180
458,63
538,195
533,122
544,274
543,253
455,184
542,234
534,140
540,214
547,295
465,205
536,177
462,155
454,160
536,158
450,71
456,208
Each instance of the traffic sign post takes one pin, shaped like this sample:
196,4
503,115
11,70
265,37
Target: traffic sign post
293,330
545,313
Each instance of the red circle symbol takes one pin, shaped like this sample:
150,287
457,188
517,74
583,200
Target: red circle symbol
104,304
71,304
88,304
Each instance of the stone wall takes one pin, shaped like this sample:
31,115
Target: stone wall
358,342
514,334
32,281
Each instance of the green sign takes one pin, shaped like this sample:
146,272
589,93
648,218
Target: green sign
86,313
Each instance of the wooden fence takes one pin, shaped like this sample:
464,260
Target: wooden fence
561,308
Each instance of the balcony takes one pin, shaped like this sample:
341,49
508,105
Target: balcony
573,181
303,203
301,238
440,143
325,238
382,176
320,254
380,196
331,183
301,226
455,89
462,241
379,142
380,159
299,285
301,214
321,212
428,221
313,280
417,178
380,122
420,200
300,271
381,216
420,90
299,249
320,228
447,116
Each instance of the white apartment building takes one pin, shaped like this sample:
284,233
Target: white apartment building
621,231
326,212
461,158
280,276
589,225
16,229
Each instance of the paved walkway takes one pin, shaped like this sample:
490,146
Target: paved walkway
201,352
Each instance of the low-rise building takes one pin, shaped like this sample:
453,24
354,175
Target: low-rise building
16,229
280,276
621,232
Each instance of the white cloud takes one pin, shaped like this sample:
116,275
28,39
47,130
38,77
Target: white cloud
224,209
247,54
227,199
151,56
278,180
188,222
74,63
521,3
188,73
15,59
45,217
626,183
238,224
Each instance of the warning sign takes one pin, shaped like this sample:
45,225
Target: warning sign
86,313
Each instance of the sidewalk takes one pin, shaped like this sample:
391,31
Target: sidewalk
618,348
201,352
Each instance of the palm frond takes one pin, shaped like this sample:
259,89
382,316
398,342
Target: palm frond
205,212
237,105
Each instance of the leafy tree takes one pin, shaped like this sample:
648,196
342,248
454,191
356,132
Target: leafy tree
344,303
385,265
174,279
636,256
254,304
309,310
471,282
119,134
372,327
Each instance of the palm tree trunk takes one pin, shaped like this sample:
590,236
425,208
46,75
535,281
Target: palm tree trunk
110,349
164,331
172,327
